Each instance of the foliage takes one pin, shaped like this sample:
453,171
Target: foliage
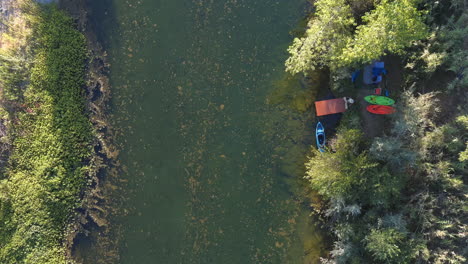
453,36
400,197
47,168
13,72
385,244
15,57
391,27
328,33
331,40
443,53
463,121
410,204
388,149
415,115
334,174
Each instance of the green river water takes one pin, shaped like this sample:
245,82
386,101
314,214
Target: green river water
209,165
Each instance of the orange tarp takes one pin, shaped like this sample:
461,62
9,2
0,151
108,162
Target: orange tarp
328,107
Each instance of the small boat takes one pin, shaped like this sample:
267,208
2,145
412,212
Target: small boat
381,109
379,100
320,137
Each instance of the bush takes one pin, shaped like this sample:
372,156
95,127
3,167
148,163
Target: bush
334,174
385,245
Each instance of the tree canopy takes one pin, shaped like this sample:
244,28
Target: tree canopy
327,34
391,27
334,39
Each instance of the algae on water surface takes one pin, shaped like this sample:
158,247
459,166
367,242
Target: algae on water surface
202,151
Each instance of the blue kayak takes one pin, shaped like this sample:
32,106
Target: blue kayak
320,137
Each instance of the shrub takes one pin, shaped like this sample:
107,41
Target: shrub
334,174
385,244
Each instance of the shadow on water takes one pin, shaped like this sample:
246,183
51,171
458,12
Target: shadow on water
292,101
102,21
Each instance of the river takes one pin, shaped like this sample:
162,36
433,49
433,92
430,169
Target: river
206,160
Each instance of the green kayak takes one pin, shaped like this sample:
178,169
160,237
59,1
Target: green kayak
379,100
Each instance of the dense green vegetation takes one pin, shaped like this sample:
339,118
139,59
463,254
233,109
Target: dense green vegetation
51,141
334,39
400,197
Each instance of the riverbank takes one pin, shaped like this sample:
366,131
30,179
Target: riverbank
90,229
394,187
48,113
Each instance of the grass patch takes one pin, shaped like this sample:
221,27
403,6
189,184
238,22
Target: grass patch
52,143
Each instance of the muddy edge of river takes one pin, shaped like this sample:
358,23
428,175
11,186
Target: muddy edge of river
90,226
